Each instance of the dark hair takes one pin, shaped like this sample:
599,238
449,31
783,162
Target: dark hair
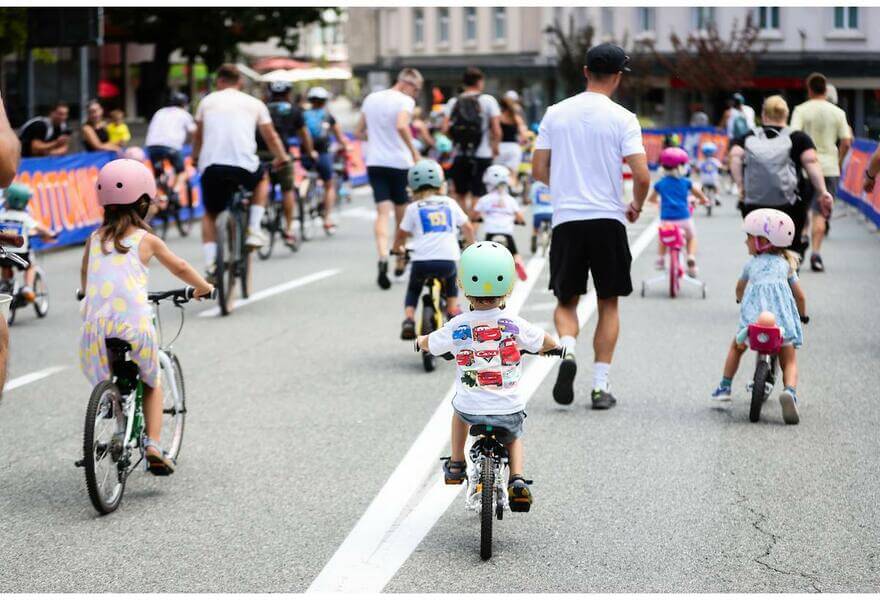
119,218
317,102
60,104
229,73
472,76
599,77
817,83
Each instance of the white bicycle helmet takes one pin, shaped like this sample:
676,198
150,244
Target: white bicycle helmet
774,225
318,93
496,175
426,173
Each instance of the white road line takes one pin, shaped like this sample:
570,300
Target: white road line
31,377
415,497
275,290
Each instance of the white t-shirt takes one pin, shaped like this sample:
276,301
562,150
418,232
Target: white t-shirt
169,127
385,147
499,212
229,123
433,224
488,109
486,345
747,111
18,222
588,136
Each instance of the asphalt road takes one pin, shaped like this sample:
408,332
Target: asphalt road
302,404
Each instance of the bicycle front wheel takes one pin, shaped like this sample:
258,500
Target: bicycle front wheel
762,372
487,509
41,290
103,446
674,273
173,405
245,255
271,224
226,270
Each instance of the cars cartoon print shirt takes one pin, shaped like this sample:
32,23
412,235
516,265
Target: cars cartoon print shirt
487,345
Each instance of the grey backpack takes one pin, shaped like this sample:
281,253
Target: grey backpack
770,174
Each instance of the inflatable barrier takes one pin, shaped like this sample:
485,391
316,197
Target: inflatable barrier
852,178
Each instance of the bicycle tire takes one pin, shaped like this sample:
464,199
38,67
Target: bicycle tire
487,506
176,409
184,226
303,213
674,266
427,326
225,273
762,370
245,256
41,302
102,505
271,226
12,310
163,229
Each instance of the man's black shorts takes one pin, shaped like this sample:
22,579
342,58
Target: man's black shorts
597,246
388,184
467,174
220,182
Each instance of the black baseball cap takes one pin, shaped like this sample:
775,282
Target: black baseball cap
607,58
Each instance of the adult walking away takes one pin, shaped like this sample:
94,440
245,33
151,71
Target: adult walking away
95,136
826,125
167,134
472,120
514,133
740,117
385,124
767,165
46,136
581,146
225,149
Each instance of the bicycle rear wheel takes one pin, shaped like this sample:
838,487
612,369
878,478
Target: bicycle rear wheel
245,255
41,302
487,508
173,406
271,224
674,273
762,372
428,325
227,237
103,443
184,225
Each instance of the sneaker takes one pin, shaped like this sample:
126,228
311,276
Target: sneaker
408,330
534,244
660,263
454,472
521,270
789,403
290,240
816,263
28,294
722,393
383,280
563,390
602,400
518,494
255,238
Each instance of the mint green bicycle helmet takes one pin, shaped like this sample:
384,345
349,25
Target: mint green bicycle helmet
486,270
17,196
426,173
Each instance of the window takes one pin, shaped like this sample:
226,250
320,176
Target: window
703,16
470,24
846,17
645,19
443,25
768,17
499,22
418,26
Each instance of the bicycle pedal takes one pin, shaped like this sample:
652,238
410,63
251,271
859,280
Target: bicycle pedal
80,463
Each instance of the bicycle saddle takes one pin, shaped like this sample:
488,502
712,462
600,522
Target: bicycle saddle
489,430
117,347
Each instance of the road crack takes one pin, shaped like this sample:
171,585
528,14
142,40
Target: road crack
763,558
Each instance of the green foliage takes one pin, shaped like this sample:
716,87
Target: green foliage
13,30
571,48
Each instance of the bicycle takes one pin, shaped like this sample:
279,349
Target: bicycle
712,195
545,232
766,342
11,285
341,179
114,431
672,237
431,313
311,206
273,220
173,208
233,255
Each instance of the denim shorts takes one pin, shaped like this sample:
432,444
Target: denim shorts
512,423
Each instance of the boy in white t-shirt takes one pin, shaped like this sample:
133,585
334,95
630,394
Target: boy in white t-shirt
15,219
486,342
433,220
500,212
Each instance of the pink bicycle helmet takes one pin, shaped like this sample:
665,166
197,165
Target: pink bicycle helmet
135,153
671,158
772,224
124,181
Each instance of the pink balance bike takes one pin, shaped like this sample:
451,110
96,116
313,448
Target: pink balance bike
672,237
766,341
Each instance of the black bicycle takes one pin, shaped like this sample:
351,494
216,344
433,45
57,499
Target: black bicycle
172,208
431,313
310,205
233,255
273,218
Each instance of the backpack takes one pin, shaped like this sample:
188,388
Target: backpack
770,174
466,123
315,119
740,125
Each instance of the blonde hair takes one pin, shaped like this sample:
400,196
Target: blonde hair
790,257
426,192
775,108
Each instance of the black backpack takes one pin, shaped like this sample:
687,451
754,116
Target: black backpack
466,123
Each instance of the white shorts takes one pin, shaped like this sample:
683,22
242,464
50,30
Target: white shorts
687,227
509,155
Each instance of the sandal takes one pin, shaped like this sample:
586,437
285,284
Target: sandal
518,494
157,464
454,471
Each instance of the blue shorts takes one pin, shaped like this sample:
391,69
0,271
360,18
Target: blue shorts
419,272
513,423
539,218
158,154
388,184
323,166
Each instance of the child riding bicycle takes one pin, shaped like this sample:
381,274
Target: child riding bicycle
114,283
500,212
769,282
674,190
486,343
432,220
542,210
710,171
15,216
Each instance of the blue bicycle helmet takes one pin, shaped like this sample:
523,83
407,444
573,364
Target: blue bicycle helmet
426,173
709,149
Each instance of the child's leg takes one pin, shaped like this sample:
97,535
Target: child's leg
516,458
30,275
413,289
788,362
459,437
153,414
731,364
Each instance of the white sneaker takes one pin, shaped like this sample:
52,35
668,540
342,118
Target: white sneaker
255,238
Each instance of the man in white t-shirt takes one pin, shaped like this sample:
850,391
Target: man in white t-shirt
739,109
167,134
472,159
385,125
581,146
225,149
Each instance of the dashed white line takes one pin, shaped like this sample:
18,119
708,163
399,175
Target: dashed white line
275,290
31,377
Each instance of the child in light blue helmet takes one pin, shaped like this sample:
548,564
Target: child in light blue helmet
486,342
432,222
15,219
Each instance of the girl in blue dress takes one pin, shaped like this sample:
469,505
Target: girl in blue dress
769,282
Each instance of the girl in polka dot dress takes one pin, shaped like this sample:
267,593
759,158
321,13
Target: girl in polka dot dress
114,279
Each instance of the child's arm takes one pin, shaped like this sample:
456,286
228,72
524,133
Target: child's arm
550,343
740,289
45,233
469,232
653,196
696,191
399,246
84,267
176,265
799,298
423,343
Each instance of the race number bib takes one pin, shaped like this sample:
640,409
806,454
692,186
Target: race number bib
435,219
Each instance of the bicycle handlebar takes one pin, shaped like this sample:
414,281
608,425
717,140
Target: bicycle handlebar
560,352
180,296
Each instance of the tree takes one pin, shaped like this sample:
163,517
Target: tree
13,35
210,33
571,49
